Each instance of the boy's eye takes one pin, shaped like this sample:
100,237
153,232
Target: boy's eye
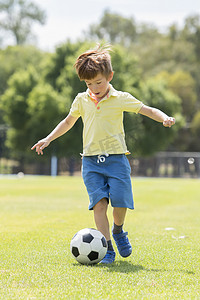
99,82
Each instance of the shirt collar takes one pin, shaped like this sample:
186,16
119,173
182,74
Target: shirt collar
112,92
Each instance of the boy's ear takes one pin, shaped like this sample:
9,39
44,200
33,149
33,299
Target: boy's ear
110,77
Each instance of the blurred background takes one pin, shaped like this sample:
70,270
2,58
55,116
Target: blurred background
156,57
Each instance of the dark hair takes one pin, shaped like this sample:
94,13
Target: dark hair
92,62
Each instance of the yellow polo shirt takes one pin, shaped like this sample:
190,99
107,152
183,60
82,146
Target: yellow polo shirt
103,130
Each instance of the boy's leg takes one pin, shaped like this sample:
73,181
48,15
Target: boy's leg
102,223
119,214
120,237
101,219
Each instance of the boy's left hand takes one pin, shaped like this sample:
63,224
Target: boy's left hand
168,122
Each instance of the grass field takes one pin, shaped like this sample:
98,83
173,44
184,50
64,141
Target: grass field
39,216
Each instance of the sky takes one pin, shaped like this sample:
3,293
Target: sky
67,19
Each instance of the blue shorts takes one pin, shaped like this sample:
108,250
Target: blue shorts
108,177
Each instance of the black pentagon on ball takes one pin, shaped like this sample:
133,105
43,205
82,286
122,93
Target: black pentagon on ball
93,255
87,238
104,243
75,251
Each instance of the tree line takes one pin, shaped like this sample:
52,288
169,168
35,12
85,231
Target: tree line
161,69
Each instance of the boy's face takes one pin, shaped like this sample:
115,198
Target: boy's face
99,85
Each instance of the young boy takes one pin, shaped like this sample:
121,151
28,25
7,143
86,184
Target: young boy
105,167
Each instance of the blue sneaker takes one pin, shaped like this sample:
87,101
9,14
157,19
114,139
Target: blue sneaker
109,258
123,244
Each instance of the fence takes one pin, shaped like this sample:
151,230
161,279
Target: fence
168,164
163,164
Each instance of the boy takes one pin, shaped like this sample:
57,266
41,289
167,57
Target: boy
105,168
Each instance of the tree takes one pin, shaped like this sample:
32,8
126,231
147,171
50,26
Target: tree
144,136
35,102
127,74
46,109
32,108
59,71
18,16
14,58
191,31
15,110
114,29
195,128
14,100
182,84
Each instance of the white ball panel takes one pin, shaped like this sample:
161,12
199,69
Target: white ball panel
102,253
84,248
83,259
96,233
96,245
76,241
84,231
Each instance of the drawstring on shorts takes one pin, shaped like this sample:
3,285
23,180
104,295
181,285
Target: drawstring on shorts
101,158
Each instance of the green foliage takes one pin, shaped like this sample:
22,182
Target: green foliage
14,59
183,85
18,16
196,124
195,129
160,69
45,108
126,70
14,101
56,63
191,32
114,28
31,105
145,137
59,70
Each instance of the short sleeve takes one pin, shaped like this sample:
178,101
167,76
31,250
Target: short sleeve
75,108
130,103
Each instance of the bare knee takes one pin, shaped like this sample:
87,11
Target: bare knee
101,206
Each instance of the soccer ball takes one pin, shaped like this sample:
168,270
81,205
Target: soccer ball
88,246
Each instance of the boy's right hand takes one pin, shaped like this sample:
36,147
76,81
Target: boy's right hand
40,145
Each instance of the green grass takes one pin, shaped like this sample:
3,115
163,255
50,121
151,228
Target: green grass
39,216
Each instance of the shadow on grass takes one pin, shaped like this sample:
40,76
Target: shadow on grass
122,267
128,267
118,266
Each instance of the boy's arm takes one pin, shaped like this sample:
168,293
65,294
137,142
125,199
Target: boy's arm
60,129
157,115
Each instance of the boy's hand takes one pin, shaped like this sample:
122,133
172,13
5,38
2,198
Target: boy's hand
168,122
39,146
